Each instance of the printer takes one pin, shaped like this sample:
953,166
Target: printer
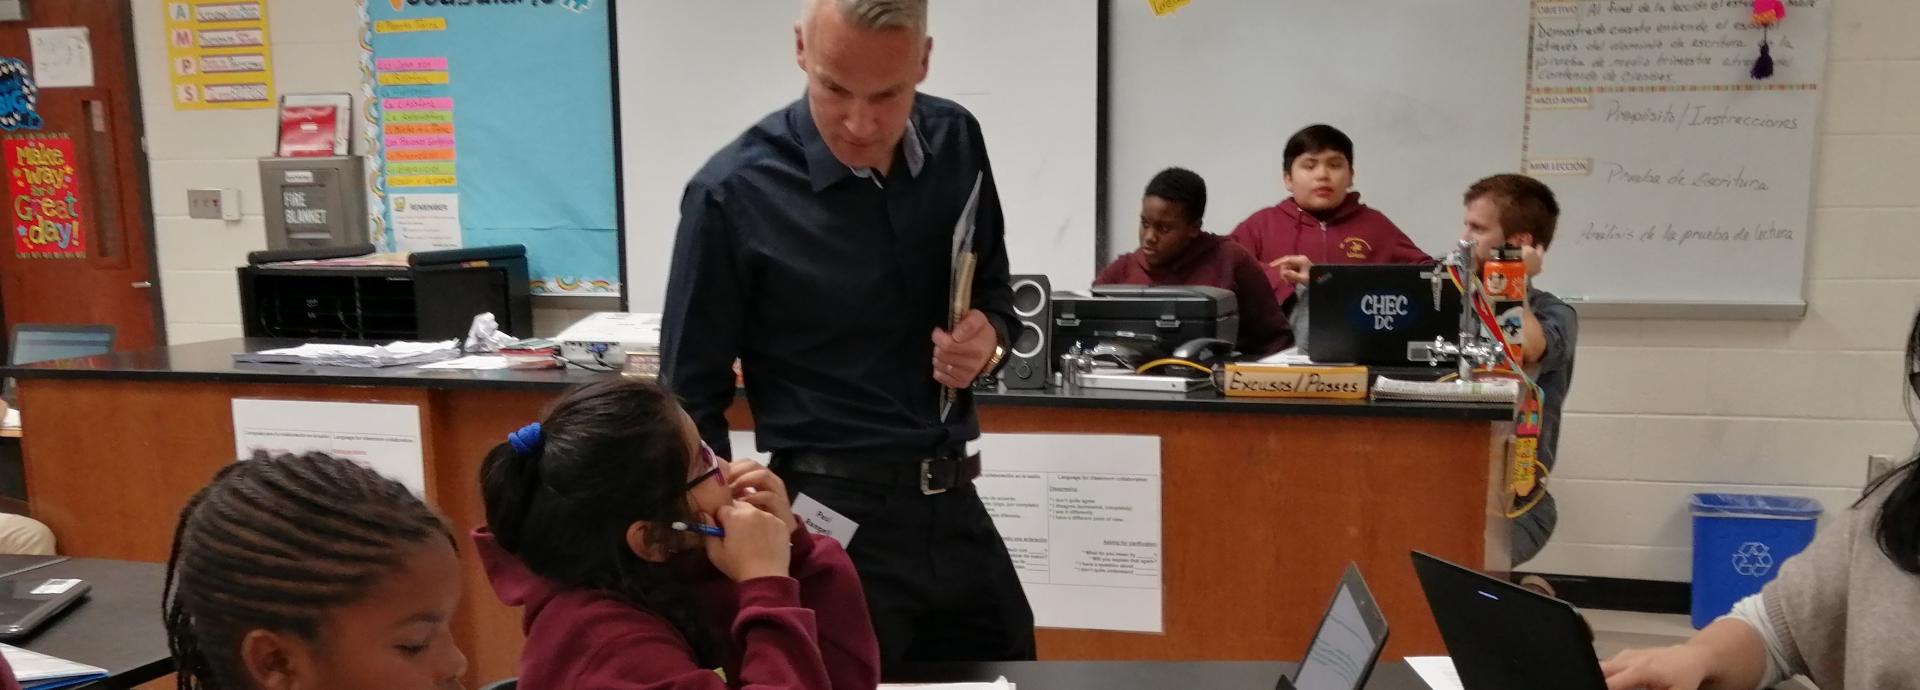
1148,321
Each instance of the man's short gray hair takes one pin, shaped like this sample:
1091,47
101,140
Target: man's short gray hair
883,14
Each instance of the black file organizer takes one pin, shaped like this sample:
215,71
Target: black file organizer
434,297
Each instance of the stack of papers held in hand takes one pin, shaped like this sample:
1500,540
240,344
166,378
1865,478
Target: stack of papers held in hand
359,356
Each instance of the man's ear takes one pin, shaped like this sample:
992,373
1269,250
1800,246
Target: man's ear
1520,239
640,541
277,661
800,45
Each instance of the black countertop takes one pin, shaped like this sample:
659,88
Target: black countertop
117,627
213,361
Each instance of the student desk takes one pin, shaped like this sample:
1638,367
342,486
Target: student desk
117,628
1263,502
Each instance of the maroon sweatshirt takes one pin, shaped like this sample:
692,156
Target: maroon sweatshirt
1210,260
1352,233
807,631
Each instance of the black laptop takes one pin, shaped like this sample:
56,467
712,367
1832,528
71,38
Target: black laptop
1503,636
1348,642
1368,314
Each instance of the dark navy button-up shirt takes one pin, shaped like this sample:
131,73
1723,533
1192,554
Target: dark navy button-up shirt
827,283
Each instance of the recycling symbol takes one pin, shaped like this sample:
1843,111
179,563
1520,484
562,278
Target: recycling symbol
1753,559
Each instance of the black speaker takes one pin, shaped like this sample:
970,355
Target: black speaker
1027,361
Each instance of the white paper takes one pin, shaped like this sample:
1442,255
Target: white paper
1437,671
31,666
426,222
62,57
473,363
364,356
55,586
824,521
383,437
1081,517
1291,356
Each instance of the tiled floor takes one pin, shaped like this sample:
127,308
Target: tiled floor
1614,631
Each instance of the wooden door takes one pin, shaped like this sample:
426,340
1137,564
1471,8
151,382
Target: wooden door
81,249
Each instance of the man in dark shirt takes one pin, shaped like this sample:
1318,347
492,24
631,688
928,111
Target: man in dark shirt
1175,250
817,249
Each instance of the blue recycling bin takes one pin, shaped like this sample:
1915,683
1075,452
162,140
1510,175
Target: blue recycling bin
1739,544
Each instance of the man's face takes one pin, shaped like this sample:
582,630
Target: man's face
1483,230
860,83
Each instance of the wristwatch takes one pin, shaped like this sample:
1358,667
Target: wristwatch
993,364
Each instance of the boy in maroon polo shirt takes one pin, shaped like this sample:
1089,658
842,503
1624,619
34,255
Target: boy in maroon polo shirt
1175,251
1323,222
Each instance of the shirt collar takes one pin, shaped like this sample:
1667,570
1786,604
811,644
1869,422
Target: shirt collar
823,170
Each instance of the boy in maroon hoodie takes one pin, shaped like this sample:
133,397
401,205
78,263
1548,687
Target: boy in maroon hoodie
1323,222
644,561
1174,250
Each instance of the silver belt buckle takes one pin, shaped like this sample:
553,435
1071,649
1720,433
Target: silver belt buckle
926,476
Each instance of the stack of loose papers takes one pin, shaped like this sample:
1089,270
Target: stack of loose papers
361,356
37,671
1291,357
1489,390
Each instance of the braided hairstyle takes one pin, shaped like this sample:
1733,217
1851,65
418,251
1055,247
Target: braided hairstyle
275,543
608,454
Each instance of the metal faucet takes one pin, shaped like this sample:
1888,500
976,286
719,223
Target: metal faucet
1074,363
1473,350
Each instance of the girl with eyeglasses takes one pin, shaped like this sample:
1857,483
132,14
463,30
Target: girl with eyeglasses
642,560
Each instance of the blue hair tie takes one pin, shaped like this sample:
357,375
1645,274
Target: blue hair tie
526,440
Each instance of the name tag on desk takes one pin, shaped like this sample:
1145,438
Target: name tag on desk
824,521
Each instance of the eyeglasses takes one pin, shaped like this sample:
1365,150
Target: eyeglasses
706,452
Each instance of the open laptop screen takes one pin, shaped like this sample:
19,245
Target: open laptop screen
32,345
1342,649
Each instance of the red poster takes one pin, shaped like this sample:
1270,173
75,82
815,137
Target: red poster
43,188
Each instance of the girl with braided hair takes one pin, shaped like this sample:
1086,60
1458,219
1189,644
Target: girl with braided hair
311,572
643,561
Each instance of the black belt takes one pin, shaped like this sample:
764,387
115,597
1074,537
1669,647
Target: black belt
934,472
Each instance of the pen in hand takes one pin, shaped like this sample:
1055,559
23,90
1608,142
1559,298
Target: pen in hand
708,530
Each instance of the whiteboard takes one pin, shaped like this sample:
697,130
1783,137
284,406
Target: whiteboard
1431,93
694,75
1682,180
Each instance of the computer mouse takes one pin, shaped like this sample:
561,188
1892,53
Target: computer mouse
1204,351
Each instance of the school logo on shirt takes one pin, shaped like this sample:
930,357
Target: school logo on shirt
1356,248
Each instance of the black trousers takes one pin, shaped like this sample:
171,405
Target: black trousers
938,579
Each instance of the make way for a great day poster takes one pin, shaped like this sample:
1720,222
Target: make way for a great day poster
491,122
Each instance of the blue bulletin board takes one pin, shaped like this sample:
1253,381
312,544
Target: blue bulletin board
491,122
